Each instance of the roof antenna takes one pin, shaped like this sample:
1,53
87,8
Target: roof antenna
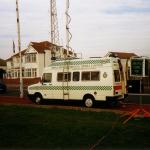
54,28
68,33
54,23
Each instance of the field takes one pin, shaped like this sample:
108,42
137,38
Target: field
23,127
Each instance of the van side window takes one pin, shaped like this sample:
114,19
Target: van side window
91,76
85,76
66,76
117,75
95,76
76,76
47,77
60,76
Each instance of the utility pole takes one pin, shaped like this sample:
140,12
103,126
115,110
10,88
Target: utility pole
19,48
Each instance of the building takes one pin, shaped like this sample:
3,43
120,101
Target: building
125,60
2,68
37,56
134,81
121,55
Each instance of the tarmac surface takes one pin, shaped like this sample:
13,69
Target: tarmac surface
121,108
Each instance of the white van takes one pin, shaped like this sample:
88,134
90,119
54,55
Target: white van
90,80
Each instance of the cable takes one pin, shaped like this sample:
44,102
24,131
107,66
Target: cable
114,124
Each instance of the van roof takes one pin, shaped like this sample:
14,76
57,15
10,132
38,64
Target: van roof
104,60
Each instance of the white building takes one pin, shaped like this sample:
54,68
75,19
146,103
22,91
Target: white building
37,56
2,68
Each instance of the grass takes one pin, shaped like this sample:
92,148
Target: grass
39,128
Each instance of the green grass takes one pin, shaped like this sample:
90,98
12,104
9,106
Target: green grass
40,128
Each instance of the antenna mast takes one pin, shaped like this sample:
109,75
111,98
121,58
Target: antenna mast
68,33
54,23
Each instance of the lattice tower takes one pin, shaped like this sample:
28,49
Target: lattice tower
54,23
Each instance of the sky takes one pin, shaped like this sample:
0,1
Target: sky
97,26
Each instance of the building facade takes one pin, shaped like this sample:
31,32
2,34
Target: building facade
35,58
2,68
133,80
125,60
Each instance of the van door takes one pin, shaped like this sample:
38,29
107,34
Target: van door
123,76
47,85
117,83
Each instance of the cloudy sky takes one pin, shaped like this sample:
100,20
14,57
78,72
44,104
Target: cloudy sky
97,26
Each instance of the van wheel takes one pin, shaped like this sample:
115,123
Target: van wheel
89,102
38,98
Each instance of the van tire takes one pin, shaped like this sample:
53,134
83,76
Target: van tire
89,101
38,98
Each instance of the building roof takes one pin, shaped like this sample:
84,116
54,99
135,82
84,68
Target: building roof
2,62
40,47
16,55
121,55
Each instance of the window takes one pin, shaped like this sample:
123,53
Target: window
85,76
91,76
30,58
76,76
117,75
9,74
47,77
34,72
60,76
28,72
12,64
146,67
66,76
95,76
26,58
16,74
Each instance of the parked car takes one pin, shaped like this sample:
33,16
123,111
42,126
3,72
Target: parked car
3,87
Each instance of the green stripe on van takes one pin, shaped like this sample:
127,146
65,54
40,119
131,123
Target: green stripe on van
100,88
81,62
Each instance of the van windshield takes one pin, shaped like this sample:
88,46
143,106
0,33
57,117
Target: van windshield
47,77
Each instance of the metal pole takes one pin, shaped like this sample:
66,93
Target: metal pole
19,48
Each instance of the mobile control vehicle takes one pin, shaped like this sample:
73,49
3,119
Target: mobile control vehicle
89,80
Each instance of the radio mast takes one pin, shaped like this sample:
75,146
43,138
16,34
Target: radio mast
54,23
54,28
68,33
